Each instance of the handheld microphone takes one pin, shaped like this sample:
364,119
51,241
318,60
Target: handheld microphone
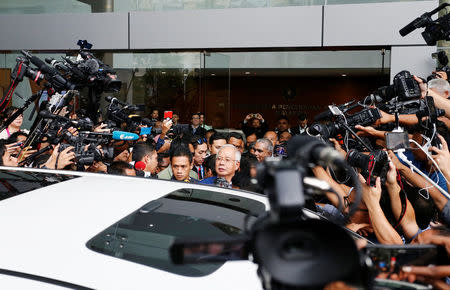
312,150
122,135
139,166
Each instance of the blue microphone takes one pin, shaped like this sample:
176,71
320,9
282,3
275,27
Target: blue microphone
122,135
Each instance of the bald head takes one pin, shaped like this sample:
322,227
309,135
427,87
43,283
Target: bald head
272,136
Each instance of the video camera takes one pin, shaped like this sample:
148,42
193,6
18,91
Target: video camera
442,64
343,122
290,249
435,30
404,88
85,147
374,164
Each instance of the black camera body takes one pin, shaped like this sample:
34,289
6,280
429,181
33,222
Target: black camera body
372,165
435,30
404,87
365,117
86,156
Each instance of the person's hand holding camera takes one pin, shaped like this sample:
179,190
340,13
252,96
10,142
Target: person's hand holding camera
442,156
66,157
102,128
371,194
248,117
422,85
166,125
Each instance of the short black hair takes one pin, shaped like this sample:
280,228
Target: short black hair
210,164
14,136
216,136
141,149
196,140
181,151
161,156
283,117
198,114
119,167
235,135
214,131
178,142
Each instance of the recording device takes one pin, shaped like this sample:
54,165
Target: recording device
397,140
168,115
374,164
86,143
52,76
290,249
442,58
84,124
328,115
365,117
435,30
390,258
404,87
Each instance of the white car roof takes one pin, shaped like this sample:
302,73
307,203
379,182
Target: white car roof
44,232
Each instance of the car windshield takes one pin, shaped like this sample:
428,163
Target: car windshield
13,182
146,235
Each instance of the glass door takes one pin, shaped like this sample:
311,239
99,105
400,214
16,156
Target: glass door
215,101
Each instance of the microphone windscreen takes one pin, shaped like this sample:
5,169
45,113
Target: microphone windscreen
139,165
122,135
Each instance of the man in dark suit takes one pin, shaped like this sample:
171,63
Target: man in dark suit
195,129
302,125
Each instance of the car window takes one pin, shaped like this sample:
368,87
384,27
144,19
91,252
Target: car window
13,182
146,235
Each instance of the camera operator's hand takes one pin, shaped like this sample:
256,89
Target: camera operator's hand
259,117
442,157
248,117
102,128
385,118
13,148
51,161
433,275
73,131
371,194
25,153
384,231
66,157
338,147
423,86
395,160
369,131
391,176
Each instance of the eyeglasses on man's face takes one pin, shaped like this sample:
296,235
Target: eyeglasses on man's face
226,159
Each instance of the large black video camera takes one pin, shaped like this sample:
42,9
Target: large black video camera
404,87
85,148
374,164
365,117
435,30
291,249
